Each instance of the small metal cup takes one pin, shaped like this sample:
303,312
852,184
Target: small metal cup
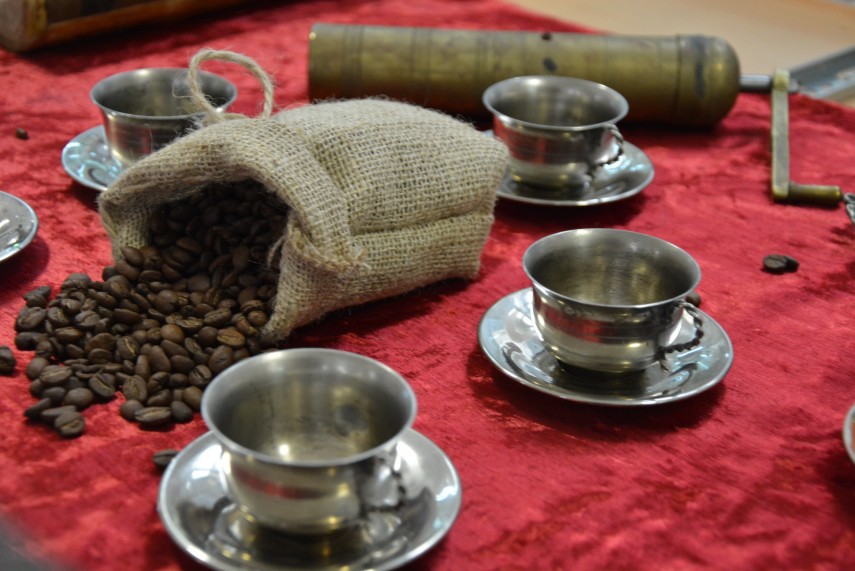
610,300
309,437
559,130
146,109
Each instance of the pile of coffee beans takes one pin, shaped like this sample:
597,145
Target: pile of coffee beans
163,321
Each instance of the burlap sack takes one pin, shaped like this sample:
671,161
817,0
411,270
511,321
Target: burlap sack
383,197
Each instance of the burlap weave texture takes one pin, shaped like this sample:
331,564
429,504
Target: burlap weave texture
383,197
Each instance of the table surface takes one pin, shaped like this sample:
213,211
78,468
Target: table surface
750,473
766,34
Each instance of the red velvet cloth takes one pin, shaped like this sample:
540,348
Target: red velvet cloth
749,475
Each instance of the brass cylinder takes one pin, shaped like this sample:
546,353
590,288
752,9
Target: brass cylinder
680,80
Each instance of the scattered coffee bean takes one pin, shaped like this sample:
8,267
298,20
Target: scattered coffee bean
70,424
153,416
162,458
7,360
181,412
694,298
780,264
129,408
22,133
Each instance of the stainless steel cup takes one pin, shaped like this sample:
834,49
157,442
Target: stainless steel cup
559,130
309,437
610,300
146,109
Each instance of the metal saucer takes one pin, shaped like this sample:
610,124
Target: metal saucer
626,177
848,428
200,517
87,159
18,225
510,340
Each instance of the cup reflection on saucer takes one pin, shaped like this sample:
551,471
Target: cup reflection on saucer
611,300
309,437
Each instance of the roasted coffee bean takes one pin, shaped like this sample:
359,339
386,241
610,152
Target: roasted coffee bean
70,424
133,256
86,319
217,318
30,318
142,367
199,283
129,408
694,298
178,381
207,336
162,458
231,337
159,360
103,386
80,398
153,416
22,134
77,280
128,348
35,368
35,411
100,356
54,375
182,364
192,396
48,416
221,359
37,297
56,316
257,318
127,270
172,332
172,349
7,360
190,325
200,377
181,412
68,335
135,388
104,299
27,340
127,316
36,388
55,394
161,398
780,264
101,341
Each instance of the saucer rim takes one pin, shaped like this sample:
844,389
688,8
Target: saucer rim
212,559
848,442
602,399
9,252
638,156
96,132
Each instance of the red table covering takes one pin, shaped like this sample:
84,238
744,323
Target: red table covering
752,474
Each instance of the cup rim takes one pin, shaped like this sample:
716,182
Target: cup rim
231,87
236,368
615,231
568,80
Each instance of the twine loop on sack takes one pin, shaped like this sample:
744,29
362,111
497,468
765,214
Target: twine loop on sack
208,54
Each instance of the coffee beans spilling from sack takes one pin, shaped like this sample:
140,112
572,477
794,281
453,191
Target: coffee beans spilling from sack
164,320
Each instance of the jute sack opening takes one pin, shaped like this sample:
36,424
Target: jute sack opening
383,197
